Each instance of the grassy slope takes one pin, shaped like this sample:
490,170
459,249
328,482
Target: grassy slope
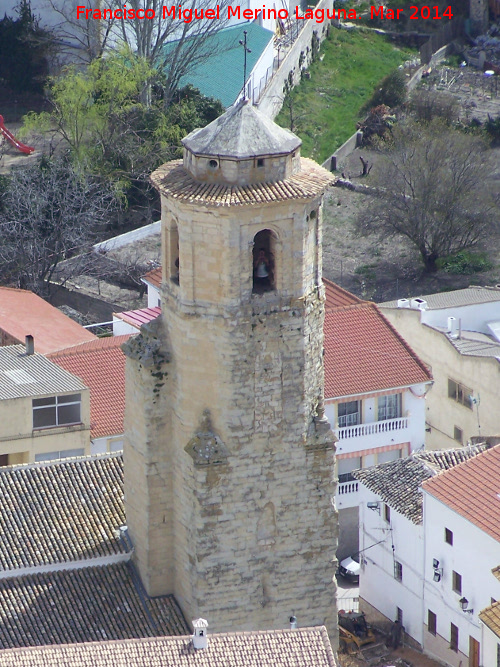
327,105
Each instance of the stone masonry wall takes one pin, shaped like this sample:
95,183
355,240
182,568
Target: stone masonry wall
229,472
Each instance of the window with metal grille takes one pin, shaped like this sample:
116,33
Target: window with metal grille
387,513
457,582
398,571
349,414
453,637
389,407
57,411
431,622
460,393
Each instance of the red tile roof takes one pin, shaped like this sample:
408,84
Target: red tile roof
364,353
337,296
139,317
472,490
23,313
101,366
154,277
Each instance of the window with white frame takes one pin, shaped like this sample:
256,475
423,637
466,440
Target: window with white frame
57,411
389,407
345,468
56,456
398,571
349,414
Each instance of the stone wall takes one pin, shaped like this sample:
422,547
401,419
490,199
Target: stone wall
271,100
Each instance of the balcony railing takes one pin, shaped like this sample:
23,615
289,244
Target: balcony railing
385,426
347,487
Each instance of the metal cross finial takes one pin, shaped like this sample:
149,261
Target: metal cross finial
246,50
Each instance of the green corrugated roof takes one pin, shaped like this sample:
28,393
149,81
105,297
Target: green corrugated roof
221,75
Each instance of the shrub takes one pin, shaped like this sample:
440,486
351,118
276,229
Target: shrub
465,263
392,91
427,105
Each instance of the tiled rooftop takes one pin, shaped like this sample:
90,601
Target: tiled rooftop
491,617
456,298
101,366
364,353
89,604
153,277
304,647
472,490
173,181
139,317
61,511
398,482
337,297
24,375
23,313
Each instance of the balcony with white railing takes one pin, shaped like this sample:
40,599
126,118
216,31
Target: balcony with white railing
347,491
372,435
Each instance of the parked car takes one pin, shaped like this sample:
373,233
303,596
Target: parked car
349,568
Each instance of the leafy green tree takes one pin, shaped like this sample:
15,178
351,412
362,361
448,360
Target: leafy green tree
100,119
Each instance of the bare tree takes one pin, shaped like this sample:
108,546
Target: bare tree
434,191
49,213
169,43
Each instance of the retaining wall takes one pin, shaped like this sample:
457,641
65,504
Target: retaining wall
271,100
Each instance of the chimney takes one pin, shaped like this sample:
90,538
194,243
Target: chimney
403,303
30,344
421,304
452,327
293,623
200,639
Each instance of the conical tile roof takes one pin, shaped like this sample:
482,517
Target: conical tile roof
242,132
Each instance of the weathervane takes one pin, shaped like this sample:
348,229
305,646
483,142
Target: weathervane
246,50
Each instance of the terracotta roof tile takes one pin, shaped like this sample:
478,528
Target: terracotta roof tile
398,482
337,297
101,366
139,317
154,277
472,489
491,617
88,604
304,647
23,313
175,182
61,512
364,353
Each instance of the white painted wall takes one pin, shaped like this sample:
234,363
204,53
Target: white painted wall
121,328
413,407
107,444
154,299
473,555
490,647
474,317
400,540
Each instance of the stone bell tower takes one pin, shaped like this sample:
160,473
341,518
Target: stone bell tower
228,455
478,13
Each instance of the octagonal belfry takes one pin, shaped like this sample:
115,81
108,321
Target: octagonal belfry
228,455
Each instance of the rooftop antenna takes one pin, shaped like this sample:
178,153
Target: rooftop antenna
246,50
